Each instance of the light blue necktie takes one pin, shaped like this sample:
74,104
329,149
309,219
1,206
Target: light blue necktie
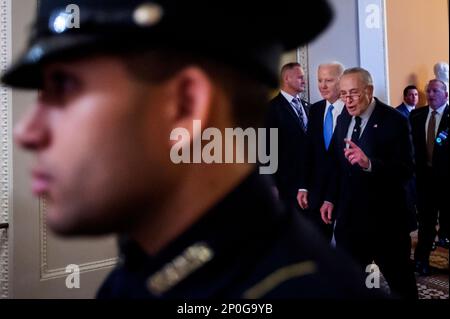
328,126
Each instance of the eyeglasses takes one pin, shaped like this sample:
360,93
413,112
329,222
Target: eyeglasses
352,94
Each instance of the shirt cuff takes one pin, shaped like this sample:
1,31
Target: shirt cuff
369,169
302,190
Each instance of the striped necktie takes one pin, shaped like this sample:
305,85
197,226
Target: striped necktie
297,105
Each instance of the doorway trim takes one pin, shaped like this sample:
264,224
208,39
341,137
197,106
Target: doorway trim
302,58
5,146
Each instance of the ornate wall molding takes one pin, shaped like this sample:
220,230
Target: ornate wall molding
43,238
302,58
5,144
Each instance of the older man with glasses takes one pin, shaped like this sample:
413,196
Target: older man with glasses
372,159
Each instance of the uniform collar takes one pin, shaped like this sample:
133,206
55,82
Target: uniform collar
225,229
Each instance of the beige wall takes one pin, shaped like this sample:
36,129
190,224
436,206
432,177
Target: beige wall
418,37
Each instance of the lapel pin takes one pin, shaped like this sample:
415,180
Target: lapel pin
375,126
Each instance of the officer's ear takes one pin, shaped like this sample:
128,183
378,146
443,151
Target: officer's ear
192,92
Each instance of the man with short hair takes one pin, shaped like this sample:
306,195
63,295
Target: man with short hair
289,114
372,160
410,100
430,130
114,92
322,122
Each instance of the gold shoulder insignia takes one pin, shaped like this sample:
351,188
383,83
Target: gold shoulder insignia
171,274
278,277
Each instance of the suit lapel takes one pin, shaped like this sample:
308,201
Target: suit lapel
444,121
403,109
342,129
421,136
321,112
366,140
344,116
288,108
306,107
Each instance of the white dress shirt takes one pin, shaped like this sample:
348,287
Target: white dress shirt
409,107
337,110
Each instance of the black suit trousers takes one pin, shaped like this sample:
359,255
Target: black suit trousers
391,256
326,230
432,202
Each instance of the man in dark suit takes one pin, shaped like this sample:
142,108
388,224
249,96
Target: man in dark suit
322,122
289,114
429,130
372,154
410,100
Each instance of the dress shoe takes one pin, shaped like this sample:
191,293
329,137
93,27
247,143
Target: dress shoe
422,268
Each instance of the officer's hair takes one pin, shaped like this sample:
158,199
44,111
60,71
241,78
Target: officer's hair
363,73
248,96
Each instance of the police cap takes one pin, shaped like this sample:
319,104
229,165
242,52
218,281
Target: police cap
244,34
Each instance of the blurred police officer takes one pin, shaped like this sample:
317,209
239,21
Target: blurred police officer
113,87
